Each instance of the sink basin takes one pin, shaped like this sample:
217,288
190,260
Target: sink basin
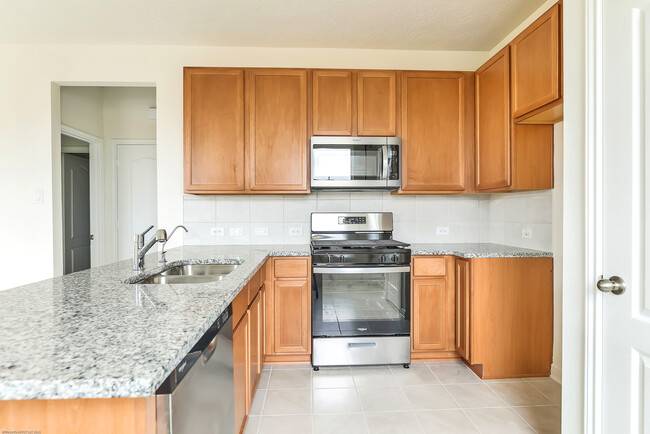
200,270
184,274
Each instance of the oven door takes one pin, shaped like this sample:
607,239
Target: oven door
361,301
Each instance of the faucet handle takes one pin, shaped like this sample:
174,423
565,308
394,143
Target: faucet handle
146,230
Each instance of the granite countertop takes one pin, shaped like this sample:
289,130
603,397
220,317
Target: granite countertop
91,335
476,250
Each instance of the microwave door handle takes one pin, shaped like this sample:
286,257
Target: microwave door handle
384,151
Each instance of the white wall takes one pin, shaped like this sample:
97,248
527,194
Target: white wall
415,217
82,108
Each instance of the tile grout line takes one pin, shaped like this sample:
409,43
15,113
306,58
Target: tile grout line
512,409
417,419
532,383
457,403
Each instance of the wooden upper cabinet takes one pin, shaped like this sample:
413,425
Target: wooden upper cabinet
493,123
214,130
332,103
377,103
536,65
436,145
276,118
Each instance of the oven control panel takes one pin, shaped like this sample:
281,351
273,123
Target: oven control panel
352,220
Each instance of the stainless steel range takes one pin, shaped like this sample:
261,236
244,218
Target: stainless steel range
361,290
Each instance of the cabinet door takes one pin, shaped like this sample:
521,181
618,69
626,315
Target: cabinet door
493,123
254,345
463,296
376,103
429,314
536,64
433,131
214,130
240,365
292,317
332,103
276,116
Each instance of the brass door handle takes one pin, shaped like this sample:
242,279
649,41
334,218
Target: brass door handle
615,285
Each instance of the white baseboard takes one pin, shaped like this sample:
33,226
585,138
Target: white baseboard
556,373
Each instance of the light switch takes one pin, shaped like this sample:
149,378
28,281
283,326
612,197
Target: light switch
39,197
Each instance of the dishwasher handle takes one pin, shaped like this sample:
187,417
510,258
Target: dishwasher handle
209,350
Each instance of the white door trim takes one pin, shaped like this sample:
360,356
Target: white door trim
114,144
593,383
96,152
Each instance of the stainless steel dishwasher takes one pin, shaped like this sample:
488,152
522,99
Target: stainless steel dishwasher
198,396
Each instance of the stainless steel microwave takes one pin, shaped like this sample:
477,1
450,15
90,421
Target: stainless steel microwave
356,163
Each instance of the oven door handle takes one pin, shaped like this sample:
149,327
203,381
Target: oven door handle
361,270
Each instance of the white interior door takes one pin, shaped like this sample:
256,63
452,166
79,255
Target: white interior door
76,213
625,214
137,207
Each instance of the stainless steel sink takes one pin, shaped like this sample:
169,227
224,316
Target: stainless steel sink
184,274
200,270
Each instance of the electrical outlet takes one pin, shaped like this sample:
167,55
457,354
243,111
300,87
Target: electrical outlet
236,232
442,231
261,231
219,232
526,233
295,231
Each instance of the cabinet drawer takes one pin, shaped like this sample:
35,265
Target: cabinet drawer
291,268
240,305
434,266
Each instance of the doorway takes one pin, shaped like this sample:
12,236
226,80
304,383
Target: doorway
75,168
110,125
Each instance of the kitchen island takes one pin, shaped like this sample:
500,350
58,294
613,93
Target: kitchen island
92,334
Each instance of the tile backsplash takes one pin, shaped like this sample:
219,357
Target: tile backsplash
285,219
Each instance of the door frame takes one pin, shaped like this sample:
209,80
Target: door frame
113,149
581,223
96,184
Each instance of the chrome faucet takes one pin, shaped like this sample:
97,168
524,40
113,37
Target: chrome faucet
140,248
162,259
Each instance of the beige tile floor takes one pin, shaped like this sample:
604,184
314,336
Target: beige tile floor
432,397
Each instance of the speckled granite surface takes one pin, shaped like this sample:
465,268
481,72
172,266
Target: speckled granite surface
476,250
91,335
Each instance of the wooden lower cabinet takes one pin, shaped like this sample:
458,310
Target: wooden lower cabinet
505,316
288,311
255,365
240,352
463,291
68,416
432,308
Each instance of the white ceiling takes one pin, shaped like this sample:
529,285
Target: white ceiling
373,24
